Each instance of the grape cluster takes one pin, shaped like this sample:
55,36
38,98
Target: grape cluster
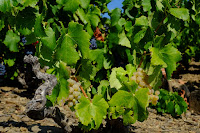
2,69
29,49
74,92
153,97
93,43
106,28
24,41
141,78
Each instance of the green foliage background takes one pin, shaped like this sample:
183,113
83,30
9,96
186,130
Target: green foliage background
159,32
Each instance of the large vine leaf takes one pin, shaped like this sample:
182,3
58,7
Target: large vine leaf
80,37
140,35
165,57
181,13
122,98
88,111
38,29
97,55
11,41
80,12
115,16
143,102
67,52
63,90
64,74
86,70
25,20
135,105
155,77
48,43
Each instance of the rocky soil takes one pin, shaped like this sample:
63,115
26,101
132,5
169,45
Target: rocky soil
14,120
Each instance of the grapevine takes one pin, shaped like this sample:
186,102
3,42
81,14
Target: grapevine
98,68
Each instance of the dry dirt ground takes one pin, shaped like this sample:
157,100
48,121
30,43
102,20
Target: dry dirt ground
14,120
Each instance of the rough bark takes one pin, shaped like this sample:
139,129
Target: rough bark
36,109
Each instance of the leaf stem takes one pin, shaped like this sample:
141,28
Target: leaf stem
78,69
81,88
83,92
160,24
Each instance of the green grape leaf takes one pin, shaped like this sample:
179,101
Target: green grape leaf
139,36
95,110
178,109
142,21
114,81
142,97
181,13
157,57
80,37
94,19
115,16
122,98
71,5
5,5
48,44
80,12
63,71
158,40
98,56
165,57
63,91
10,62
86,69
67,51
128,26
89,29
113,38
126,99
146,5
159,5
25,20
11,41
38,29
128,117
155,76
30,3
130,70
123,40
170,108
54,95
84,3
143,102
103,87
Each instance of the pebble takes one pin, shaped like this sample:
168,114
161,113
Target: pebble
16,118
35,129
4,118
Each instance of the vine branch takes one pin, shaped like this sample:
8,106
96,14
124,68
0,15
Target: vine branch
36,108
160,24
